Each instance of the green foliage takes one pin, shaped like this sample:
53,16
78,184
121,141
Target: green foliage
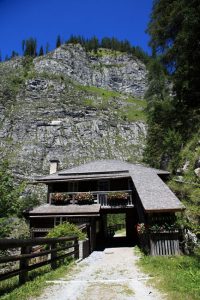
158,81
66,229
93,44
132,110
178,276
26,202
12,227
41,51
113,219
58,41
174,29
29,47
9,192
164,140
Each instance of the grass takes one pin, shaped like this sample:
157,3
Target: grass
178,276
122,232
130,109
107,291
11,290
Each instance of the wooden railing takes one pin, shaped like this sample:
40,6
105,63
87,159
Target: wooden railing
101,197
51,253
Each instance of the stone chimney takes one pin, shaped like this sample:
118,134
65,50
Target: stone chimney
54,163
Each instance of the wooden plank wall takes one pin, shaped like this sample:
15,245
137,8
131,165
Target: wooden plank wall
164,243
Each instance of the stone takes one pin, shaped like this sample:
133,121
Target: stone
197,172
55,114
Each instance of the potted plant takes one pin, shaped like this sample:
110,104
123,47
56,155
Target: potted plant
84,198
117,198
60,198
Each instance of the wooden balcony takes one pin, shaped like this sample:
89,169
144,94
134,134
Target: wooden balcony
107,199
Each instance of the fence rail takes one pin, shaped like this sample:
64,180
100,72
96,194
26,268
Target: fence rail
55,245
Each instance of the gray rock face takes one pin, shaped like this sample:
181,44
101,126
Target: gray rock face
47,115
111,70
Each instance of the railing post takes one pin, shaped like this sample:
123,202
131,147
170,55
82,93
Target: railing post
23,276
106,199
53,256
76,248
73,199
130,199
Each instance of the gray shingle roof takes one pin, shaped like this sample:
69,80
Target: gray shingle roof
153,192
66,210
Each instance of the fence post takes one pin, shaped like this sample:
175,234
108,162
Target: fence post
76,248
23,275
53,256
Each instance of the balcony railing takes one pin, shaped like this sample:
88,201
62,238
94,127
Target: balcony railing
104,198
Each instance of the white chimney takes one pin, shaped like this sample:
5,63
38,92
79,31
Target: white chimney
54,163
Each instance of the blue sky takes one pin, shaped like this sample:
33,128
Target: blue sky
45,19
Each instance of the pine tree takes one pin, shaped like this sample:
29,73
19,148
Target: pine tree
30,47
47,48
41,52
58,41
174,29
14,54
0,57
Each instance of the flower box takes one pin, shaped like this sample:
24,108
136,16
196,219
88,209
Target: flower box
118,199
84,198
60,198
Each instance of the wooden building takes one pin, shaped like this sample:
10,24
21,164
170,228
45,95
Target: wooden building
94,190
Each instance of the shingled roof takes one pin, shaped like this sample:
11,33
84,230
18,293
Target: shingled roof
154,194
69,210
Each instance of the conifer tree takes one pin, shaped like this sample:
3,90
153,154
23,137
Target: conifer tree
14,54
58,41
29,47
47,48
41,52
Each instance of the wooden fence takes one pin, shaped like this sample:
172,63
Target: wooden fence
57,248
164,243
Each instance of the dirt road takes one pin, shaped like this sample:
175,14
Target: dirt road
109,274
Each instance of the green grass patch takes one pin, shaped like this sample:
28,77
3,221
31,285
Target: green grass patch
178,276
10,289
106,94
127,108
134,110
101,52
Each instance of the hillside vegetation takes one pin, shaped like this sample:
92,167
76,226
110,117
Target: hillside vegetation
173,97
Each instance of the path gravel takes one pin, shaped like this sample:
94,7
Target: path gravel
109,274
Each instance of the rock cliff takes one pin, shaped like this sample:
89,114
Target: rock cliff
71,105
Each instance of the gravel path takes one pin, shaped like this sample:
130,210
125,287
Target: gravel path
109,274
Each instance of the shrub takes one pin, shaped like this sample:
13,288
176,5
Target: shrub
66,229
14,227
